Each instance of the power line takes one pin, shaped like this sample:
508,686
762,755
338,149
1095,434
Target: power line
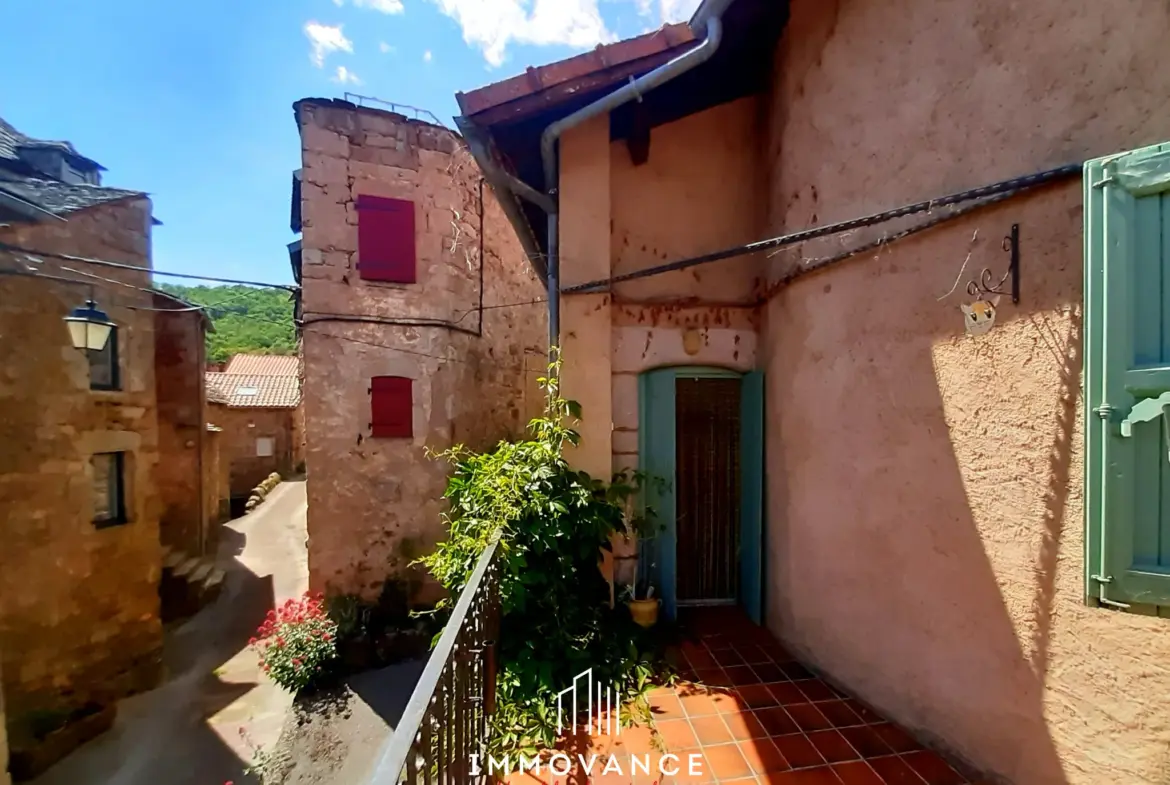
123,266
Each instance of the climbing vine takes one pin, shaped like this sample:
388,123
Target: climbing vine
553,522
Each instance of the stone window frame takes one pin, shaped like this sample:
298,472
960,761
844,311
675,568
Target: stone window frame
112,359
116,487
271,440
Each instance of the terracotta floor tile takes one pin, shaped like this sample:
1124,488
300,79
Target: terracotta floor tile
677,735
717,642
699,704
753,654
666,707
694,769
728,700
798,751
932,768
763,756
768,671
808,717
699,657
756,696
796,671
822,776
894,771
712,676
741,781
898,739
865,740
857,773
832,746
776,721
786,692
816,690
727,762
727,657
744,725
777,652
525,778
711,730
839,713
867,715
742,674
634,741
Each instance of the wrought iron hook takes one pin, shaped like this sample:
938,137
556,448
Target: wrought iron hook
984,285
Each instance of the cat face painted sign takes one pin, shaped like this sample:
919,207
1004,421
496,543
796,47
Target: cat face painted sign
979,316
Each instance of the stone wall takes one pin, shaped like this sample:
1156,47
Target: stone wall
926,526
79,606
4,778
216,481
182,431
241,428
373,502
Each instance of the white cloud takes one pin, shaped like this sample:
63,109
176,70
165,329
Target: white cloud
385,48
346,76
325,40
491,25
668,11
385,6
427,56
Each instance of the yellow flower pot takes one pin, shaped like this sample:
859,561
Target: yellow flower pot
644,612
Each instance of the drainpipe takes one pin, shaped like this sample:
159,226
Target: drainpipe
711,12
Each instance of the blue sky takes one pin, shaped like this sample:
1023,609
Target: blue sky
192,102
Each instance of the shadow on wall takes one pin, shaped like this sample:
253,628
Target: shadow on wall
901,541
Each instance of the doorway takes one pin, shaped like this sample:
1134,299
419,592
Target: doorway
701,432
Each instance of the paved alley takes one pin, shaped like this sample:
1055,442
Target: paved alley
187,732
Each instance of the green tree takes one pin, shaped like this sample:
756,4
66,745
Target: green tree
247,319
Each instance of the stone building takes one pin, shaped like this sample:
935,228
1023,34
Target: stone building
255,402
422,326
81,440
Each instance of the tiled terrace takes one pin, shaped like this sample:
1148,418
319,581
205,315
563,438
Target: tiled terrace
758,717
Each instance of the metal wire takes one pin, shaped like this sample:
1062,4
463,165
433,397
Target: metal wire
1008,187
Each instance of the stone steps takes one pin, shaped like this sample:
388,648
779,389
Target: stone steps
188,583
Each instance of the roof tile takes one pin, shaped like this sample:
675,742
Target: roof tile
253,391
264,365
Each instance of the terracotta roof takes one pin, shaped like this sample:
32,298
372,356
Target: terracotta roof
253,391
566,77
264,365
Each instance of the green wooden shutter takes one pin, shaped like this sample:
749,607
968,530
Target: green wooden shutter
656,456
1127,377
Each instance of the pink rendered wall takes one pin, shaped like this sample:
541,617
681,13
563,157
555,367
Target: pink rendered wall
926,534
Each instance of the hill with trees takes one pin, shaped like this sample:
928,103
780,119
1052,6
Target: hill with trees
247,319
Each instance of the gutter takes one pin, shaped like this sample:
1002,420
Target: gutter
709,17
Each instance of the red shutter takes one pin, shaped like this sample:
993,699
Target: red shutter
385,239
391,408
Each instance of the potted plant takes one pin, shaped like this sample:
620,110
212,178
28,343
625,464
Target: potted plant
641,526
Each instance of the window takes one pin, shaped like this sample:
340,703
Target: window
391,408
265,447
1127,378
103,365
109,499
385,239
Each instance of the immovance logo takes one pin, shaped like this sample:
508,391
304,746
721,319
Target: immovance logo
602,712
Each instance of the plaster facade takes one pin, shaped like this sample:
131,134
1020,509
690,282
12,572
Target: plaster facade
946,586
79,605
374,503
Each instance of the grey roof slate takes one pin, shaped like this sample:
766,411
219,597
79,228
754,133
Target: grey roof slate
52,195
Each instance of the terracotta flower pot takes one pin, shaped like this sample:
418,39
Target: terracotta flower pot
645,612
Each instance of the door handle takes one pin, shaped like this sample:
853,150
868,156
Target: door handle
1147,410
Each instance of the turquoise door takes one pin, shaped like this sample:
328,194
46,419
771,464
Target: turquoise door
696,560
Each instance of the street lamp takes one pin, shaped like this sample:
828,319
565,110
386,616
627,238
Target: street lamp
89,327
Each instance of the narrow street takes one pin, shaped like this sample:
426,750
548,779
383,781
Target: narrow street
188,731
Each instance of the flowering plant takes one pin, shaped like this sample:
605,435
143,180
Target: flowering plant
295,642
